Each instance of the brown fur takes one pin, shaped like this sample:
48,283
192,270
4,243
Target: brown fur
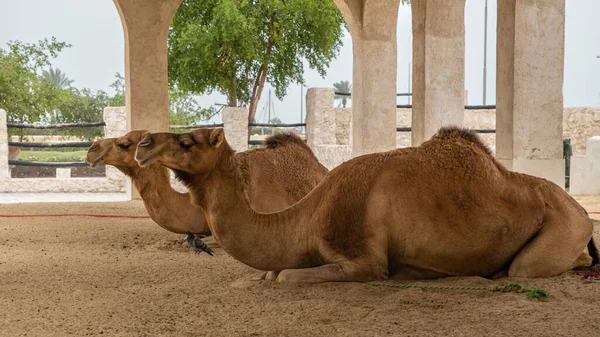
443,208
172,210
283,139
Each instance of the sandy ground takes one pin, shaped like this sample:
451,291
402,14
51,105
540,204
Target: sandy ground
128,277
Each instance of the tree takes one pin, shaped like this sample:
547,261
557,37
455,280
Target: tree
57,77
235,46
79,106
24,93
342,87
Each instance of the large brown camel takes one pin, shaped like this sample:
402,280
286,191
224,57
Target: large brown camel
444,208
277,175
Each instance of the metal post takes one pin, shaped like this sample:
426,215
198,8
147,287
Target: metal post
409,82
301,100
485,52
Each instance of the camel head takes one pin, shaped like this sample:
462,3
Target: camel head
195,152
116,151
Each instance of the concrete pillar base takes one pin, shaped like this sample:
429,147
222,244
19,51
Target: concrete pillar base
235,124
550,169
4,170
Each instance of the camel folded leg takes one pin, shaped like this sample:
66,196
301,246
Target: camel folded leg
345,271
557,248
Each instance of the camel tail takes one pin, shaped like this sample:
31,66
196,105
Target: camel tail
281,139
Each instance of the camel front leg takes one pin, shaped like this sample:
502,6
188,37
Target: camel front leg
345,271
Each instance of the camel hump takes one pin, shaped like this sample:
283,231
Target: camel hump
282,139
450,132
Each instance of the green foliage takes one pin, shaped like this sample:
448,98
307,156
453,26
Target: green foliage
57,77
342,87
79,106
24,93
234,46
53,155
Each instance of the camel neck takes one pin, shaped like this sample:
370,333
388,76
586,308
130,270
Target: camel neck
168,208
265,241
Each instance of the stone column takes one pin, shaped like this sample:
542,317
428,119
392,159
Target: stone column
146,25
116,126
4,171
529,82
115,120
438,66
373,28
585,170
320,117
235,124
321,128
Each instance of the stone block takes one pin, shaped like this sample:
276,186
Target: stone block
235,124
63,173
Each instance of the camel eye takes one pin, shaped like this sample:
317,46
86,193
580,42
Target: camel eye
124,146
186,146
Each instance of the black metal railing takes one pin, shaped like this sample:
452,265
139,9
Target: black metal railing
51,145
409,129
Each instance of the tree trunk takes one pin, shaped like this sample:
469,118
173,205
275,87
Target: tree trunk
256,92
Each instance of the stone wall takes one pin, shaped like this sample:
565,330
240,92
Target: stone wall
114,182
579,124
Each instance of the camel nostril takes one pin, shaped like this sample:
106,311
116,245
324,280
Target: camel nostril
94,147
144,143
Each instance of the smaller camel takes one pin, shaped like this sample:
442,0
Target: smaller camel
167,207
445,208
291,167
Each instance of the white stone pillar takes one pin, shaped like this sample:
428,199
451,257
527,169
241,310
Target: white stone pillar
438,66
4,170
373,28
235,124
529,83
585,170
321,128
320,117
116,126
115,120
146,27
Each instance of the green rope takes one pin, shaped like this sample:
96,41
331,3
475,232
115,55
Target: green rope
540,294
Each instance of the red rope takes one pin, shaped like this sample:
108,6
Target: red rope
75,214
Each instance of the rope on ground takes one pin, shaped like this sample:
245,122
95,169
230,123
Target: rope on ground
74,214
540,294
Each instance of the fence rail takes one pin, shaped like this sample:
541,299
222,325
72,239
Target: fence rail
51,145
408,129
47,163
467,107
277,125
197,126
348,94
54,126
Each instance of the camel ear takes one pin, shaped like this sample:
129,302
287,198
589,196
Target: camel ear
216,137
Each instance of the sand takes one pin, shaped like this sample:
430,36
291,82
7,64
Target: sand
88,276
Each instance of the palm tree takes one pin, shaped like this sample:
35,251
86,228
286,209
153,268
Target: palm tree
343,87
57,77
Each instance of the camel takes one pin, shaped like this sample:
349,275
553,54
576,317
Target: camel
445,208
172,210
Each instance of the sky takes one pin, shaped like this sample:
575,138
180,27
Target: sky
94,29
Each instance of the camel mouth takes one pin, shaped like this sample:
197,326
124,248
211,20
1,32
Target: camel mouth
95,161
145,162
